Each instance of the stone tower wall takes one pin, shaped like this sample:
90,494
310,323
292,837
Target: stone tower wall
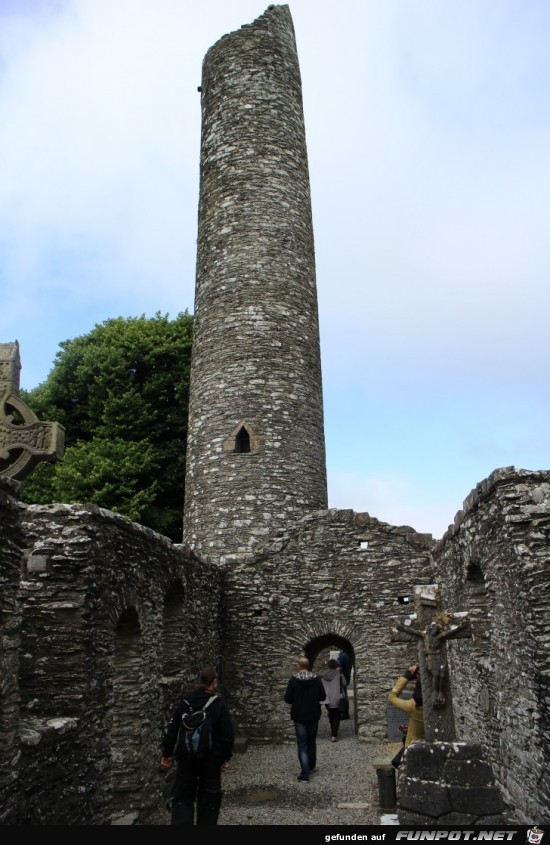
256,356
494,563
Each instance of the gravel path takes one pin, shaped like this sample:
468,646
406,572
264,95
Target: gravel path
260,786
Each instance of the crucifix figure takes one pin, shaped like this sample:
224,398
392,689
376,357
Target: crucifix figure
433,638
432,628
24,440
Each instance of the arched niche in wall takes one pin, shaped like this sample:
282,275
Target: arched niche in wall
173,629
478,607
128,755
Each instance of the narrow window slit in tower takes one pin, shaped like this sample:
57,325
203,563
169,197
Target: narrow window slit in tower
474,574
242,441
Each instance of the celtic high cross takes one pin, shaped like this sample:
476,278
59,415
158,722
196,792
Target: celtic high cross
24,440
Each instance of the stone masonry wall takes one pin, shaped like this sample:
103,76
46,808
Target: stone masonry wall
114,621
494,562
10,621
335,579
99,597
256,356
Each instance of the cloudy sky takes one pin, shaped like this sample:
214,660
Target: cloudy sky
428,129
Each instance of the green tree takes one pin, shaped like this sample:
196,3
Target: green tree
121,392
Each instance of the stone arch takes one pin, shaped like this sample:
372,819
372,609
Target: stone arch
318,649
243,439
128,745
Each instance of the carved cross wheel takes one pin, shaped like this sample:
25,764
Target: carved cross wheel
24,440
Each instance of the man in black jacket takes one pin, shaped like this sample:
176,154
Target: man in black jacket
304,693
199,780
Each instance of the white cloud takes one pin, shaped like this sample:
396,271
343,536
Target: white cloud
428,129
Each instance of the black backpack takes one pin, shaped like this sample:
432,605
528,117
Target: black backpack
195,731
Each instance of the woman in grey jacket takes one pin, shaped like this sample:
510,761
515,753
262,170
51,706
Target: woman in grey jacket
334,684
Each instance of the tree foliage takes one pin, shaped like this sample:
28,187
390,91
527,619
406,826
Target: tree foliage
121,392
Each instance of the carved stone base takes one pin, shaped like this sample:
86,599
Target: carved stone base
447,783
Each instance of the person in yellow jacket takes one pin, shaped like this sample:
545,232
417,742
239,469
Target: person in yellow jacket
411,706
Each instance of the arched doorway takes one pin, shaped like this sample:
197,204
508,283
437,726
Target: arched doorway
320,649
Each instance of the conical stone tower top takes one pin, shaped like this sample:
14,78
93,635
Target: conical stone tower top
256,449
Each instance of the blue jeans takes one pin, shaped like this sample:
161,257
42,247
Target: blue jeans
306,737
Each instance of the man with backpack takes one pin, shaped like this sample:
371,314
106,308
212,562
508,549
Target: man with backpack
200,735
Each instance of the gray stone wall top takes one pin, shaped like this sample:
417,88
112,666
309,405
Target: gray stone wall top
485,489
494,563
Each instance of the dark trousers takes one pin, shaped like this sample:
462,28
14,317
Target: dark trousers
306,738
197,782
334,719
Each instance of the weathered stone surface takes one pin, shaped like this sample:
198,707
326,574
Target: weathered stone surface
425,760
494,561
468,773
24,440
432,626
267,595
105,622
67,539
480,801
11,549
256,355
458,819
455,767
426,797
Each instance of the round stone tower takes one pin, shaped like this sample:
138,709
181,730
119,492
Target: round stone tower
256,449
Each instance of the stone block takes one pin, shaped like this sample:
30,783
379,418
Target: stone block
423,796
457,819
468,773
463,751
425,760
481,800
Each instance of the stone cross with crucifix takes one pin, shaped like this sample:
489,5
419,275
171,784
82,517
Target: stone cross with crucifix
432,627
24,440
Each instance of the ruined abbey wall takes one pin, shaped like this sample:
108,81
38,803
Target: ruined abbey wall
107,609
334,580
495,562
111,621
